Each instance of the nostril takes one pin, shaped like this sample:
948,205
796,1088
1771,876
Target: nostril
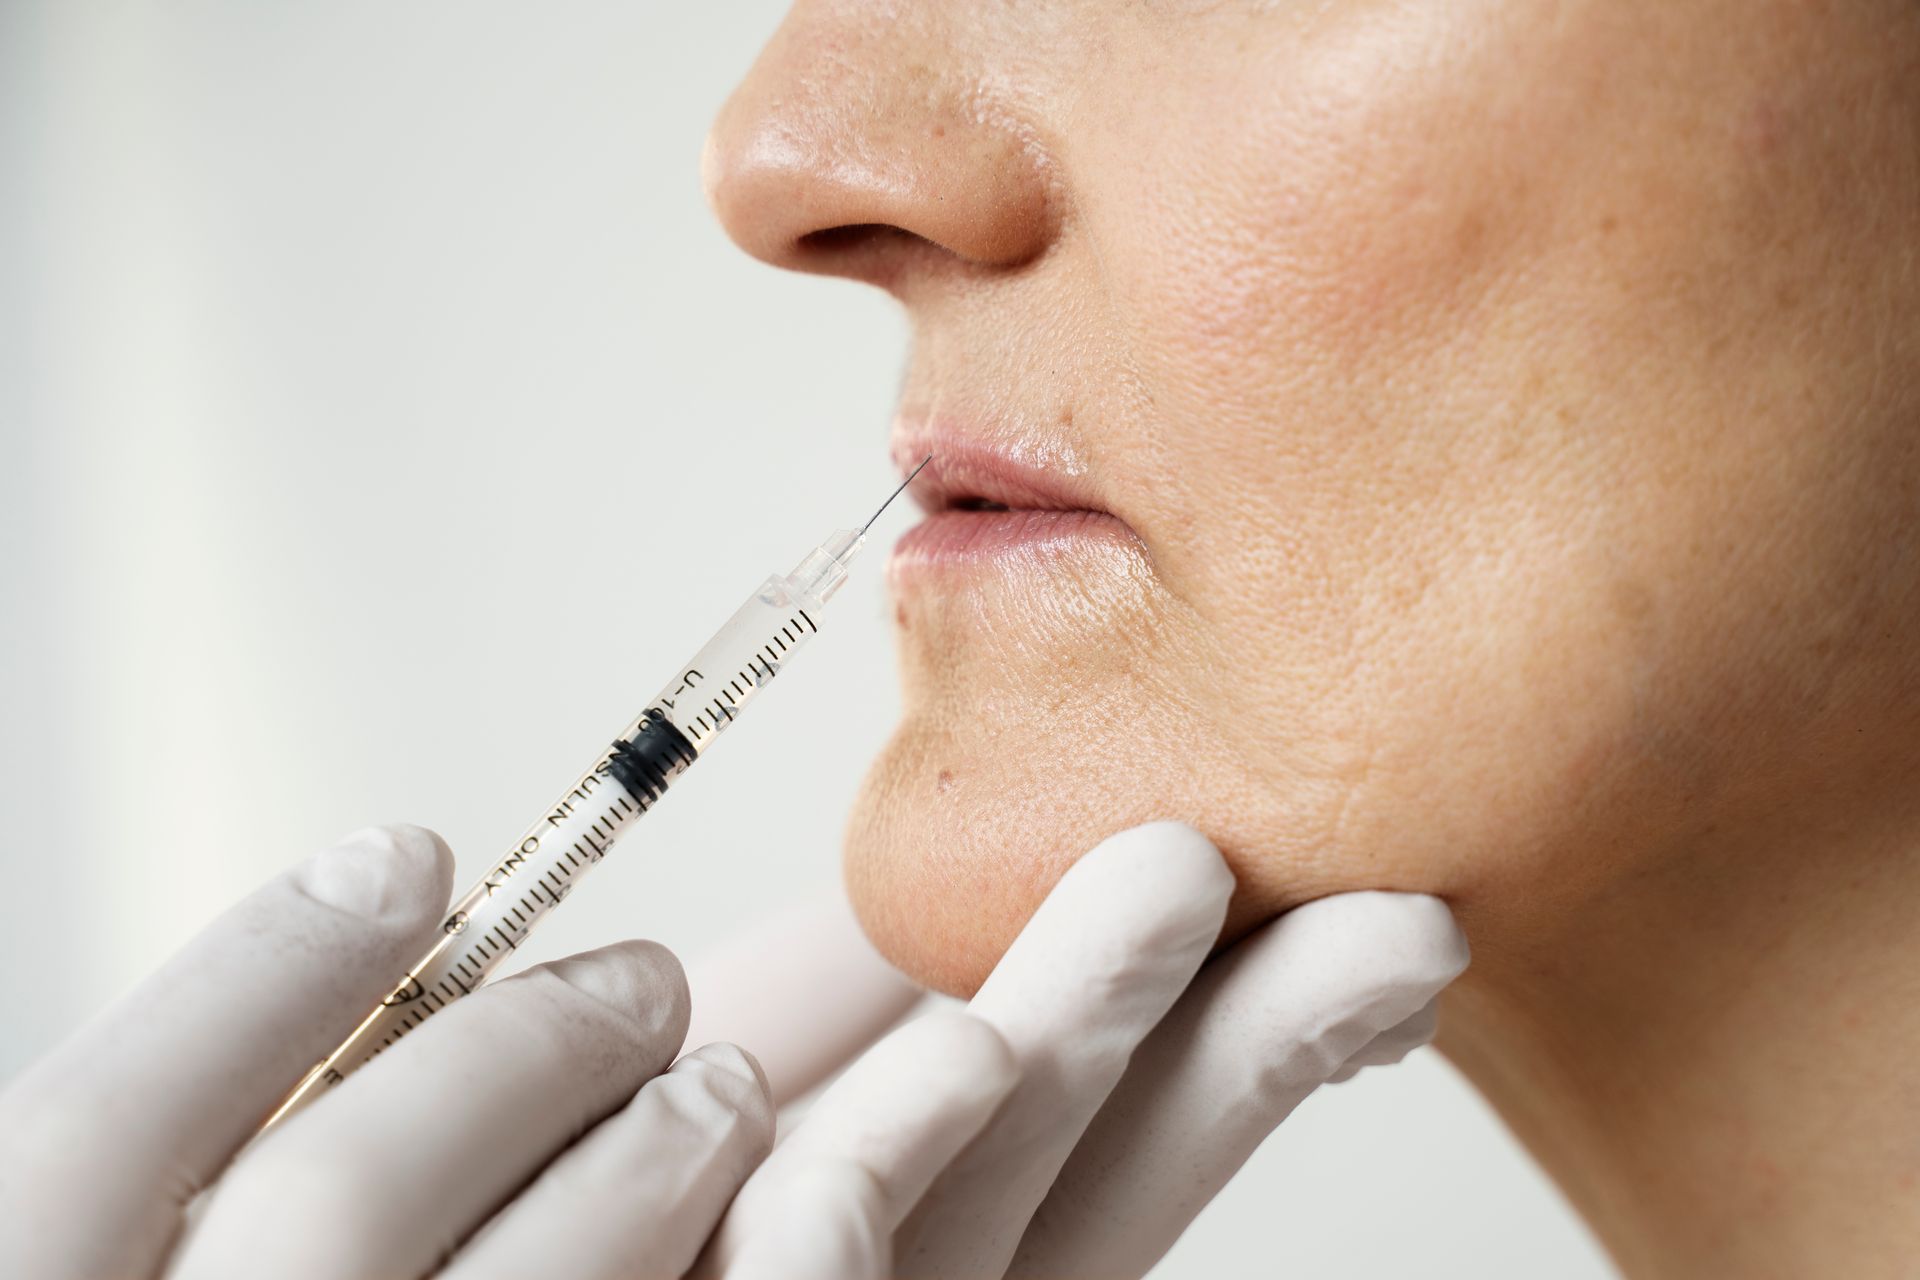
855,236
861,248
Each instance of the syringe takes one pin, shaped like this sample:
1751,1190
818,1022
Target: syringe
696,707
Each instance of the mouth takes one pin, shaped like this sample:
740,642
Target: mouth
991,501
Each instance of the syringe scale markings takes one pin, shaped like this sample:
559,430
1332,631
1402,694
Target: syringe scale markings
579,829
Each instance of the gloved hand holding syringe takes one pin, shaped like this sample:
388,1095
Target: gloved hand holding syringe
1105,1082
665,740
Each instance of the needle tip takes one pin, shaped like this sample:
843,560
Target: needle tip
896,493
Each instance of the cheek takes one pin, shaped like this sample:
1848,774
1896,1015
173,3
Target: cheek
1438,328
1364,185
1369,490
1314,289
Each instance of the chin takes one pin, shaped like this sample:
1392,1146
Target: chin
951,847
960,831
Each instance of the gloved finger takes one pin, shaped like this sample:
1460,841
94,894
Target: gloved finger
875,1139
1393,1044
108,1137
1263,1027
637,1198
1096,968
761,987
830,1223
404,1160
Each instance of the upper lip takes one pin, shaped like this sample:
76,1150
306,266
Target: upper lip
969,472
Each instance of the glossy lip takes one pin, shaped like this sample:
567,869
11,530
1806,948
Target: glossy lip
1049,496
966,467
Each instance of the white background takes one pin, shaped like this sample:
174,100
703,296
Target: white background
384,418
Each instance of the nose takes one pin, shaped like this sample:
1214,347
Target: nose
866,147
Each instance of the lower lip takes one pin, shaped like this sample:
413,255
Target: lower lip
958,538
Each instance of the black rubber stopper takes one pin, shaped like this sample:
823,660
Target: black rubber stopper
645,764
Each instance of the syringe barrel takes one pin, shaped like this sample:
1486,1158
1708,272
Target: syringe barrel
577,830
710,691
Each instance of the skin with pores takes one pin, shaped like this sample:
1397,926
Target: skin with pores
1516,408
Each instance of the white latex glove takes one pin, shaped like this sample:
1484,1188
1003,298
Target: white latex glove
803,987
1095,1095
537,1106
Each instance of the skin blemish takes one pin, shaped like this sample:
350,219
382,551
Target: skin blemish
1632,601
944,781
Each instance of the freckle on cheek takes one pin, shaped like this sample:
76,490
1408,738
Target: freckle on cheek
944,781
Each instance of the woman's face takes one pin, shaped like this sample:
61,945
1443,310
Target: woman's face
1502,412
